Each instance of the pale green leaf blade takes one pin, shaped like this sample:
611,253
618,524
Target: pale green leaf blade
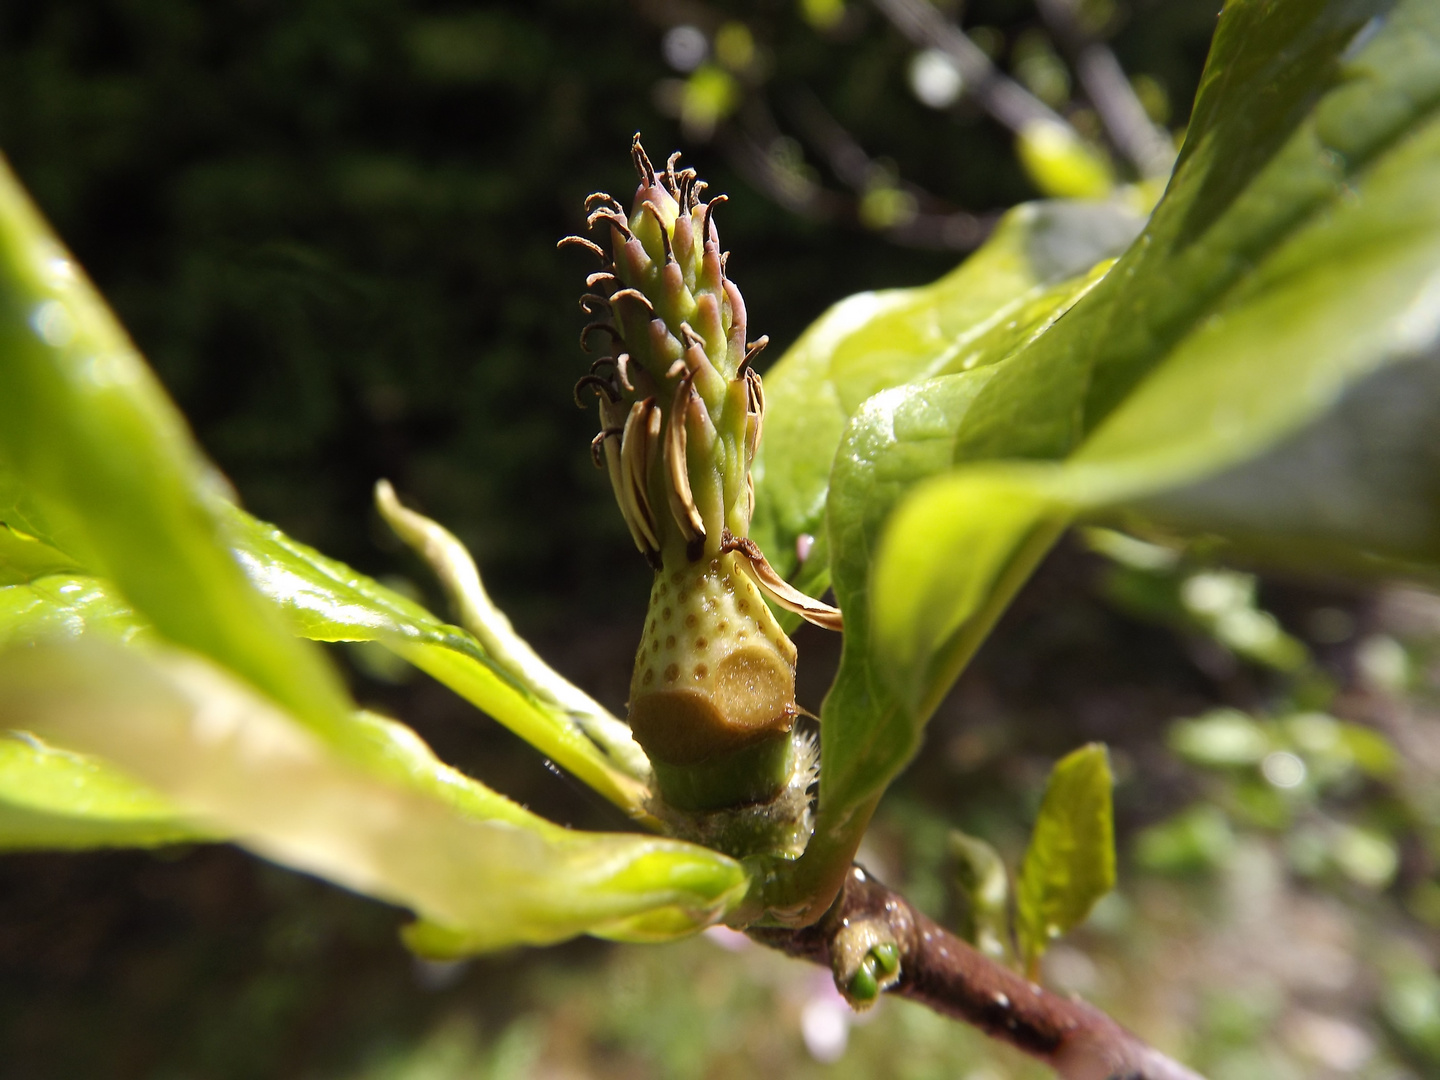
24,557
1070,862
941,577
328,601
92,444
90,441
52,798
68,606
508,651
65,606
985,884
465,859
57,799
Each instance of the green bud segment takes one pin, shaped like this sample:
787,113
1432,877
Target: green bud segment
864,987
712,700
865,958
879,968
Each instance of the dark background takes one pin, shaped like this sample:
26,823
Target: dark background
330,225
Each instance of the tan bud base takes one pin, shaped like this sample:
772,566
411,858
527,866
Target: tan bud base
714,673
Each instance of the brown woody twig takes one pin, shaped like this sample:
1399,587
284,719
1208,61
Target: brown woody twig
1145,144
1001,96
945,973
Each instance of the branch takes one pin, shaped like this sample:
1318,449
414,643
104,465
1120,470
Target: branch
1146,145
935,224
957,231
1001,96
945,973
794,191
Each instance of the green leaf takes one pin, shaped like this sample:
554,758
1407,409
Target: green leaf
1070,862
983,881
873,341
61,606
96,461
897,438
24,557
54,798
487,871
328,601
247,729
1221,377
1222,738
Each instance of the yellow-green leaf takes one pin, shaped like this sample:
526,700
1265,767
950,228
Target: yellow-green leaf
466,859
1070,862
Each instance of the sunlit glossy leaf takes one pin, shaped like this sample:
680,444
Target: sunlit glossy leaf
1238,333
247,732
486,870
24,558
895,438
329,601
1290,265
54,798
873,341
96,460
1070,862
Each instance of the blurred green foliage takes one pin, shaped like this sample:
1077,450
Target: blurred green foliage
330,227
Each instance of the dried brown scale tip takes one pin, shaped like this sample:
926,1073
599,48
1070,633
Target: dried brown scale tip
605,213
599,277
778,589
622,371
617,376
709,228
682,194
600,384
636,295
597,447
618,222
595,327
589,245
754,349
642,161
664,234
602,196
590,303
